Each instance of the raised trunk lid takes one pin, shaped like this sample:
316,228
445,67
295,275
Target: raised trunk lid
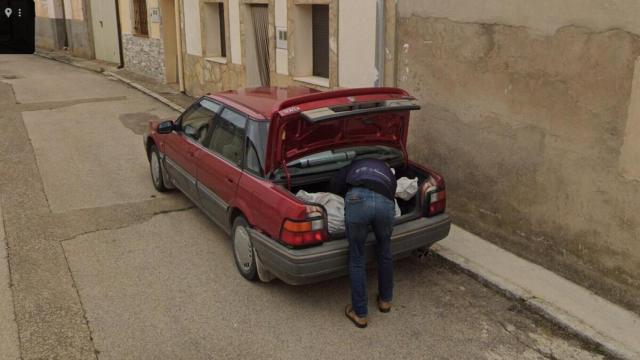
332,120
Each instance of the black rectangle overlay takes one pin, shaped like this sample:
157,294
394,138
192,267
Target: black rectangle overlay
17,26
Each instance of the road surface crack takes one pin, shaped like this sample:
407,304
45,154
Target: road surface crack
113,228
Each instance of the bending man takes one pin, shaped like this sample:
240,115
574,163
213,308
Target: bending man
370,188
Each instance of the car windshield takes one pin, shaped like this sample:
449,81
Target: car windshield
331,160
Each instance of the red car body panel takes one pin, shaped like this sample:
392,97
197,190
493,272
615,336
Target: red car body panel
183,151
267,204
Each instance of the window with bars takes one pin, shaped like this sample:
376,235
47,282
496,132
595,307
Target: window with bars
140,26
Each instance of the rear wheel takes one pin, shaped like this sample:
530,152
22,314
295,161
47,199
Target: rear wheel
243,251
156,170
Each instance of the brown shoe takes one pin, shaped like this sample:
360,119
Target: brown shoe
383,306
357,321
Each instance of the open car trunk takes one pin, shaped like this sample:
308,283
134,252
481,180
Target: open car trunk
317,183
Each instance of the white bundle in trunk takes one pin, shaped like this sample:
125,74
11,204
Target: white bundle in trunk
334,205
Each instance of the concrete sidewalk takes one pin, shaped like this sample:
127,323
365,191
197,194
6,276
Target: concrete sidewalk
614,329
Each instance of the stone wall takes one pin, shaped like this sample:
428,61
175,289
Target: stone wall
144,55
527,127
204,76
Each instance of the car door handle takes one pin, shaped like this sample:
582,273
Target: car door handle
230,180
191,153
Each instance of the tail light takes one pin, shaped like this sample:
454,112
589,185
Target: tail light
310,231
434,199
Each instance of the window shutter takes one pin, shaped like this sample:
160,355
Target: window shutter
320,31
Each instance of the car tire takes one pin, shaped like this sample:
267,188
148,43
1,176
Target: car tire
155,166
243,252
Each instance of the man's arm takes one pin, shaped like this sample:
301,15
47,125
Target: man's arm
338,184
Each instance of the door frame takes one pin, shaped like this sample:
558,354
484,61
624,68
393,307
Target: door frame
168,29
245,20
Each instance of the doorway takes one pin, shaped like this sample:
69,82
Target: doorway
105,30
257,46
169,40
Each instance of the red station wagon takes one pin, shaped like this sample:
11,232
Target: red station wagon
241,156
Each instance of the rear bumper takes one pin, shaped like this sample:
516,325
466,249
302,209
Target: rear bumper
329,260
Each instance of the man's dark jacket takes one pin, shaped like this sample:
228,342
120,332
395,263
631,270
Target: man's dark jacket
372,174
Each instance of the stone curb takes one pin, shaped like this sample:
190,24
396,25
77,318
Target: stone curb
536,302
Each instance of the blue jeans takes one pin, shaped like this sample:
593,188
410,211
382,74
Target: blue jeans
365,209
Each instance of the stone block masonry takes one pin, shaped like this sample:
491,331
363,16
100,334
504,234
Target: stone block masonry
144,55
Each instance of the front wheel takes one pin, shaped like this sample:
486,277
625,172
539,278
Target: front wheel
243,251
156,170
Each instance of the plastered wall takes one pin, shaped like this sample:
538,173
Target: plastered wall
530,112
357,43
71,28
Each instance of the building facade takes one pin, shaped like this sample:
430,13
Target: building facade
225,44
64,24
149,38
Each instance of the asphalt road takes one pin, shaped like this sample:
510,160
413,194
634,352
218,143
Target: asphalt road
103,266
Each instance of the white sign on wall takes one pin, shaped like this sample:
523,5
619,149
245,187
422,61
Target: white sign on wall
281,38
154,15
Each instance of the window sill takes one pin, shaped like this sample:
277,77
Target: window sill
313,80
217,59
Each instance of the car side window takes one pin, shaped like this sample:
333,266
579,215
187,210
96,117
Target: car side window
228,136
194,123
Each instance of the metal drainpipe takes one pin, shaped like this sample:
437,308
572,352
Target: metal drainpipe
64,25
380,43
118,26
179,44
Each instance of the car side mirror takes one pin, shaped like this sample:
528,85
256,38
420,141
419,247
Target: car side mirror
166,127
